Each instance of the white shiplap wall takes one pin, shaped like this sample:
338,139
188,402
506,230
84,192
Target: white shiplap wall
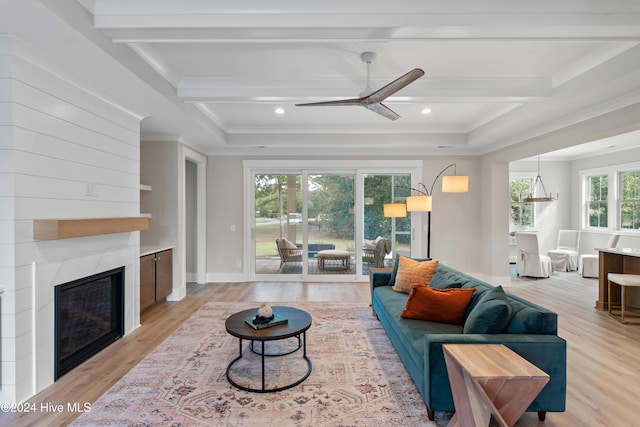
65,152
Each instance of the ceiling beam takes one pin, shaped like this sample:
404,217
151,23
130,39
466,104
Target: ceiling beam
432,89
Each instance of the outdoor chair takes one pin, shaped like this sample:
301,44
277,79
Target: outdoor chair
529,262
375,251
288,251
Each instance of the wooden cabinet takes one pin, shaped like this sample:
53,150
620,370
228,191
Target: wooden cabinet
156,271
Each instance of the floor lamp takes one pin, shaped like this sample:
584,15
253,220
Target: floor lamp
423,202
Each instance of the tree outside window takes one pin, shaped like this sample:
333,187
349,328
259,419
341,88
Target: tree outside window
630,200
521,212
598,205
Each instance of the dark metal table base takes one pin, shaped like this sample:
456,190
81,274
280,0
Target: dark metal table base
302,342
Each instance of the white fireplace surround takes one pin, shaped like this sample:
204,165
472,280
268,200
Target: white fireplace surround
48,273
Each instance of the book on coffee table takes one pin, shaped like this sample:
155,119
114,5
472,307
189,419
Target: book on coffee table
277,320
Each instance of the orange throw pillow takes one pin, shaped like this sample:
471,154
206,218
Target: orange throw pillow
412,272
435,305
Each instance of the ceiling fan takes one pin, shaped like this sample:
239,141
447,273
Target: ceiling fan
371,99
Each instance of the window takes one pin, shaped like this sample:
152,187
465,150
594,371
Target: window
630,200
521,212
598,203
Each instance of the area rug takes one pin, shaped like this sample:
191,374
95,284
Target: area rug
357,378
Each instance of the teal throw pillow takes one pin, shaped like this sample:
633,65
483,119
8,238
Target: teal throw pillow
441,281
392,279
490,315
529,320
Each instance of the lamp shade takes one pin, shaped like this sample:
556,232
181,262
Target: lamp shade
395,210
419,203
455,184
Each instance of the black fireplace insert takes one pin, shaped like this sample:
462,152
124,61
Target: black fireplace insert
89,315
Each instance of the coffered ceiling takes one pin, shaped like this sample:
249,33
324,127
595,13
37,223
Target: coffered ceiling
496,72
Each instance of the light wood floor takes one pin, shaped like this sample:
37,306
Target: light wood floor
603,355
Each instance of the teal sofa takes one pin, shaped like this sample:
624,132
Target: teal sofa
531,331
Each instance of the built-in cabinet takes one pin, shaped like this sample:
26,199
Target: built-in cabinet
156,271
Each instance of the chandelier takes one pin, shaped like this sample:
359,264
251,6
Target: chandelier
538,191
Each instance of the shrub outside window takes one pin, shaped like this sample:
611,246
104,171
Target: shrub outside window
521,212
630,200
598,204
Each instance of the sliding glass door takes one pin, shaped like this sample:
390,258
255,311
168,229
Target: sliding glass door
380,189
330,234
278,224
325,223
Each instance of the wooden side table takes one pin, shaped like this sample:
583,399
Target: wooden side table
490,379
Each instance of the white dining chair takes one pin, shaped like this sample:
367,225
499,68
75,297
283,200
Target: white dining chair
529,261
565,256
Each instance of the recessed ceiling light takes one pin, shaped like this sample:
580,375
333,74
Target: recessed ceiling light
279,110
426,110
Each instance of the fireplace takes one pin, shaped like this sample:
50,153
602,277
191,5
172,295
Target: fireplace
89,315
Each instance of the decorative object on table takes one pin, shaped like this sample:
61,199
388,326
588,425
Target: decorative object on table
265,314
265,318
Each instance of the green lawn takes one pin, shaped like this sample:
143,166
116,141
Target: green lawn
266,235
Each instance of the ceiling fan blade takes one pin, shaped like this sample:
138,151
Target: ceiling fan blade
373,101
388,90
352,101
383,110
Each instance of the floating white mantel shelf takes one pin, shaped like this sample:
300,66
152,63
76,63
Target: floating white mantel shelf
52,229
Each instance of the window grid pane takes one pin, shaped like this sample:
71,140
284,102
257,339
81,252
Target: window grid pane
630,200
521,213
598,207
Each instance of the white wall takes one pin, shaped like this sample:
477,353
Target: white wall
64,153
225,208
493,208
159,169
455,219
191,213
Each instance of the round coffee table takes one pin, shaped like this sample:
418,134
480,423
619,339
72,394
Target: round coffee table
298,323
